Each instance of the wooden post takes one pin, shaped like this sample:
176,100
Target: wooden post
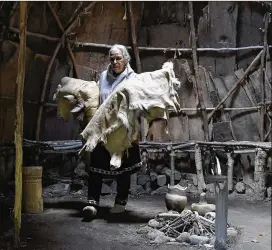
19,123
262,79
221,204
172,163
133,186
199,170
259,172
230,171
197,78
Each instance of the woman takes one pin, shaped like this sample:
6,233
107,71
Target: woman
118,70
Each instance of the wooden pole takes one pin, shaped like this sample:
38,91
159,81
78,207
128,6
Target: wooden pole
133,185
68,44
221,221
19,123
197,78
230,164
254,62
262,80
182,50
134,37
201,185
259,172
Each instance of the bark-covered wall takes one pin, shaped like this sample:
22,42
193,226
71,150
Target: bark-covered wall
158,24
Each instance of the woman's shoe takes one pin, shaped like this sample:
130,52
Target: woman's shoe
117,209
89,212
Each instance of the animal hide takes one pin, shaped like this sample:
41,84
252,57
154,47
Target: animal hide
116,123
75,96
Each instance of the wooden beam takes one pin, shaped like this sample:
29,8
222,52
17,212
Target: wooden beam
163,49
197,77
19,123
34,34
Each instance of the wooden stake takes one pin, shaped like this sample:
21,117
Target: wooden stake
19,123
262,80
254,62
68,44
197,78
71,26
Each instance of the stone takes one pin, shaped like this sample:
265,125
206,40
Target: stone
162,239
160,190
153,176
208,246
183,237
202,209
232,234
192,189
174,243
59,189
203,198
152,235
210,216
77,184
154,223
210,188
269,192
147,187
161,180
142,179
167,172
80,171
240,187
197,240
144,230
140,189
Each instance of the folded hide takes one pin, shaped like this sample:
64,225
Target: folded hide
75,95
115,123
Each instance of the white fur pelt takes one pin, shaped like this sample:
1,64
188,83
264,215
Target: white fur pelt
115,123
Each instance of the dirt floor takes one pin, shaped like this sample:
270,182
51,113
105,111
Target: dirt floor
60,227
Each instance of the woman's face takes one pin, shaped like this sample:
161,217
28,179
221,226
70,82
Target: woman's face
117,61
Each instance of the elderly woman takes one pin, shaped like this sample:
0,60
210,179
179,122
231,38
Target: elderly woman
117,71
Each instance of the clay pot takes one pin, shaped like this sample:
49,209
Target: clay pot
176,198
